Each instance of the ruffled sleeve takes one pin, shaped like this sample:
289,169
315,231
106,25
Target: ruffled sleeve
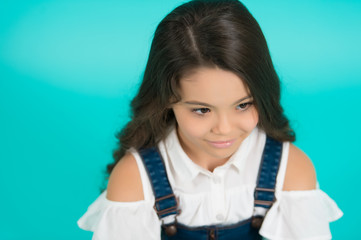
300,215
110,220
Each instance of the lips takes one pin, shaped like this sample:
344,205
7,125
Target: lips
222,144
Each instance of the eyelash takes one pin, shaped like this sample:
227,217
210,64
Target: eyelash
247,105
203,111
199,111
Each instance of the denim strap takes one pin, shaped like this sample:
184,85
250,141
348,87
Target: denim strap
165,201
264,194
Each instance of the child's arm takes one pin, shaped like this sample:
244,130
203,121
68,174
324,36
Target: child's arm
126,211
300,173
125,183
301,210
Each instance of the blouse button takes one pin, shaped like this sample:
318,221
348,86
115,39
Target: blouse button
220,217
217,180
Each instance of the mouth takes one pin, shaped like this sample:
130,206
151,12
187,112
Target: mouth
222,144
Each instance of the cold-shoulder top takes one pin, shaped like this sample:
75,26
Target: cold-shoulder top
224,196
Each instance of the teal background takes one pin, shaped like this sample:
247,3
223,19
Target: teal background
68,70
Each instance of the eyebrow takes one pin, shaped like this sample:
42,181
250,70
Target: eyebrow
209,105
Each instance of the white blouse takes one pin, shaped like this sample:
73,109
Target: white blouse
224,196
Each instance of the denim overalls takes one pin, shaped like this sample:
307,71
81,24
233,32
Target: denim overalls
166,203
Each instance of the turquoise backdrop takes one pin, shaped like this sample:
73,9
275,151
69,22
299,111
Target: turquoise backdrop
68,69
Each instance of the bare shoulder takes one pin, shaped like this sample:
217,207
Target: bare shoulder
125,184
300,173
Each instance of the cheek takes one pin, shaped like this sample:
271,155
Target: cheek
250,121
189,125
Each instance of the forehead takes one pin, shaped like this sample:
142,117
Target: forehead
212,85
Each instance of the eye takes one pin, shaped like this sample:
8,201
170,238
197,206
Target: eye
201,111
244,106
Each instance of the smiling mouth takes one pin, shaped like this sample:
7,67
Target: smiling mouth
222,144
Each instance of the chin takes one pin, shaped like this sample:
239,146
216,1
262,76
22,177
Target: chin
222,153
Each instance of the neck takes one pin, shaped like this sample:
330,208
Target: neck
200,158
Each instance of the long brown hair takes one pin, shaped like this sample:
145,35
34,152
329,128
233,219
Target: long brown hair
202,33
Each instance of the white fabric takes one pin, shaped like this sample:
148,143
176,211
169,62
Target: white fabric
224,196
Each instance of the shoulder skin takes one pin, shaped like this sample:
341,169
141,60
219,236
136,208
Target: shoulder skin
125,184
300,173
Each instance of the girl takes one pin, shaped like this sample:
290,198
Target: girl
208,152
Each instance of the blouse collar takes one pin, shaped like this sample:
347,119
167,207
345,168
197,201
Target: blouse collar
182,163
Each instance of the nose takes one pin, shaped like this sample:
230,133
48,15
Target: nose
222,125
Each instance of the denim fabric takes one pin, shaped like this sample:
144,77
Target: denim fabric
241,230
157,174
267,173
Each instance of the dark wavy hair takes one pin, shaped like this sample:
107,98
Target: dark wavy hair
202,33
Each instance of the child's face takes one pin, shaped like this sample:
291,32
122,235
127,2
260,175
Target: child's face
215,114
